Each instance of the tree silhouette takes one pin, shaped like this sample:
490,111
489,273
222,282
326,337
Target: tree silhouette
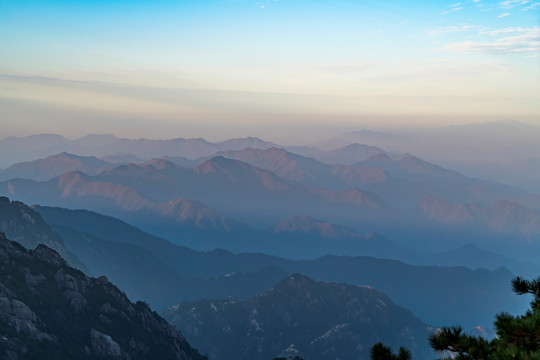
518,337
383,352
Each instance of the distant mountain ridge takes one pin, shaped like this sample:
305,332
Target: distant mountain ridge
17,149
350,154
53,166
383,194
76,189
308,226
338,152
235,189
505,216
400,180
227,195
307,171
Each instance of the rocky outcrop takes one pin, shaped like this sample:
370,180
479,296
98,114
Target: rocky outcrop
49,310
22,224
301,317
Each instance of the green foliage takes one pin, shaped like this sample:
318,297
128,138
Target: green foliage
383,352
518,337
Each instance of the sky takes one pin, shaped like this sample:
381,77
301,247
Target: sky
218,68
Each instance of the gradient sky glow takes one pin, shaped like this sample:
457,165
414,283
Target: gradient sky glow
175,68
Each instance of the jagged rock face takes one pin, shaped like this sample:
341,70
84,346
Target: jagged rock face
301,317
22,224
49,310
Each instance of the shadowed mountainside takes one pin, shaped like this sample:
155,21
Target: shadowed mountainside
52,311
27,227
435,294
300,316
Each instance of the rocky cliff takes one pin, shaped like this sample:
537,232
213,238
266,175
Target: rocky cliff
49,310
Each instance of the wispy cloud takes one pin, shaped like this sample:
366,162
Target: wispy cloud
505,31
455,29
510,4
528,41
503,15
532,6
452,8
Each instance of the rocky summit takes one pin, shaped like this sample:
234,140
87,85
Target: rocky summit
300,317
49,310
22,224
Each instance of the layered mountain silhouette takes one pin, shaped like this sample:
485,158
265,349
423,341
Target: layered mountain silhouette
349,154
51,311
17,149
338,154
411,167
400,180
252,213
300,316
303,237
150,268
504,217
306,170
425,290
232,187
231,196
75,189
243,191
53,166
154,196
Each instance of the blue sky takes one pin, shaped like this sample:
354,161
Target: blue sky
130,67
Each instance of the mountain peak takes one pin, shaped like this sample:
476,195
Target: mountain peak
216,164
241,143
54,165
24,225
350,154
47,254
160,164
295,281
322,320
379,158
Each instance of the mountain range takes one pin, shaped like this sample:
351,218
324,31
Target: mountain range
17,149
226,198
53,166
422,289
243,214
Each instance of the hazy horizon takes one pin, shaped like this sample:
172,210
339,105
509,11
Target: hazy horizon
230,68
